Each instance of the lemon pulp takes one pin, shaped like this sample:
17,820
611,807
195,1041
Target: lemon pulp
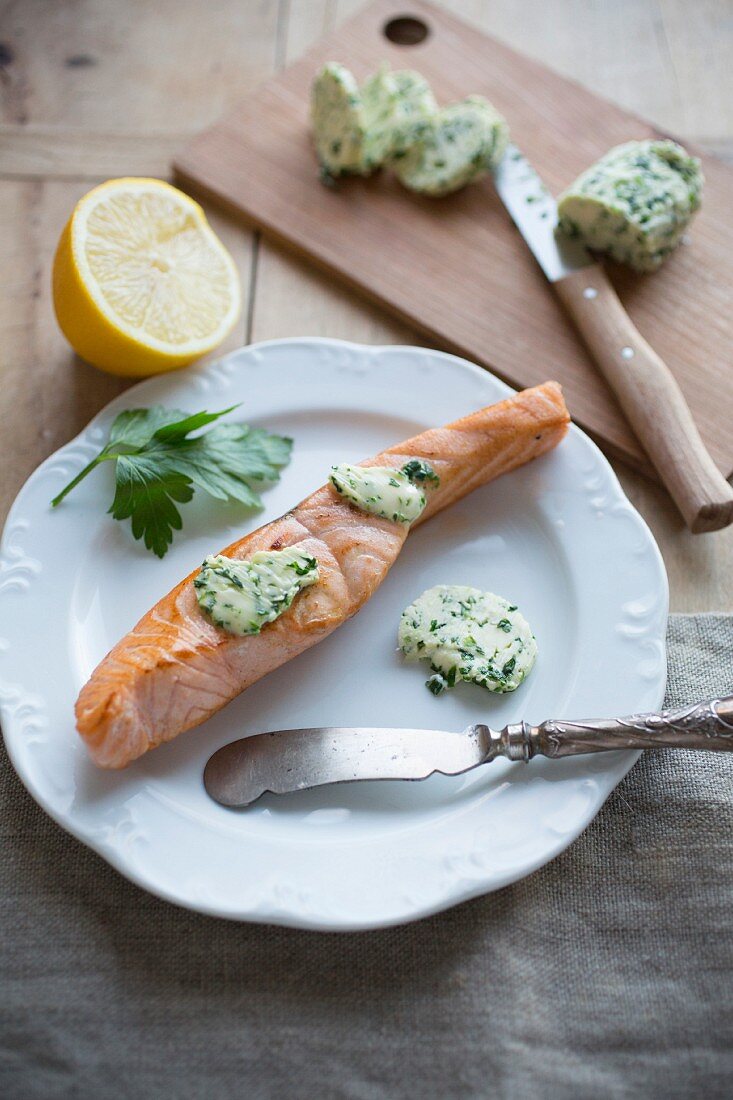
141,282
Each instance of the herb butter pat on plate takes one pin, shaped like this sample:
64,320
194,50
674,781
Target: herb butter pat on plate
467,634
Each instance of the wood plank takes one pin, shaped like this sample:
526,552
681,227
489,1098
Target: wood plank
41,152
698,38
38,152
292,297
87,92
700,567
667,60
456,268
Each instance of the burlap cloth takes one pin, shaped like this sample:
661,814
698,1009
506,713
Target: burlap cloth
605,974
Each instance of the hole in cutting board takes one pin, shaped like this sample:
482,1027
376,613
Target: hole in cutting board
406,30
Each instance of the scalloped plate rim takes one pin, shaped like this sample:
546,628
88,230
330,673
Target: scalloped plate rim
622,765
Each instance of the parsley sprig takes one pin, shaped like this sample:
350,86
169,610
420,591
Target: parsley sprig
158,465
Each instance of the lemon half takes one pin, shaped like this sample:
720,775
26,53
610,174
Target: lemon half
141,283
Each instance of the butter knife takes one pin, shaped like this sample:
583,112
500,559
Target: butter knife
297,760
645,387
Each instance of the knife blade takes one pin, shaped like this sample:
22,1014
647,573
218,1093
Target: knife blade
293,760
645,387
534,212
286,761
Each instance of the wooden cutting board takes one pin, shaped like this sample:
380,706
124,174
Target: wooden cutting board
455,267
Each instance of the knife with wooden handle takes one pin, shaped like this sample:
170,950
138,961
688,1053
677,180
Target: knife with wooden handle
645,387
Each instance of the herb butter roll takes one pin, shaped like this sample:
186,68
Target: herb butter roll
459,144
634,203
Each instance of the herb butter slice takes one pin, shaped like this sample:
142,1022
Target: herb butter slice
634,203
458,145
339,122
357,129
467,634
384,491
397,106
241,596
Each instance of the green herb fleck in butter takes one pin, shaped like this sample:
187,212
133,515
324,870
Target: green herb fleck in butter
467,634
241,596
458,145
418,471
634,203
384,491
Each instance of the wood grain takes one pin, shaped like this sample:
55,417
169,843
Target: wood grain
43,152
456,268
171,66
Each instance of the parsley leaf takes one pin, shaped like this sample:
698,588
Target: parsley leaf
159,465
136,427
145,493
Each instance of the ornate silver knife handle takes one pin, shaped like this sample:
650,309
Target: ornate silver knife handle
707,725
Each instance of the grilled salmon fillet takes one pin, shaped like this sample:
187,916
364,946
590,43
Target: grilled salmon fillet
175,668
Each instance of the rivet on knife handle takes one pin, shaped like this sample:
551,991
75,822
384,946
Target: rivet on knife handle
650,397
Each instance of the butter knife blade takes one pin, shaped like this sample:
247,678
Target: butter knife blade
294,760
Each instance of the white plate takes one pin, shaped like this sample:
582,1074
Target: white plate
558,537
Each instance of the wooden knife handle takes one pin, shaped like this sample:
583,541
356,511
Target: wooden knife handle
650,397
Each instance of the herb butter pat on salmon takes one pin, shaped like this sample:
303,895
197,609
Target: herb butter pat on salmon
467,634
634,203
385,491
241,596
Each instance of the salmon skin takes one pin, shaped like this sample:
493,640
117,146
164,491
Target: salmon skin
175,668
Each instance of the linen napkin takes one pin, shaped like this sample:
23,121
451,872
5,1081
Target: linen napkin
607,973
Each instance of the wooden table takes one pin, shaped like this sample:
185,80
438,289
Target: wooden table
100,88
